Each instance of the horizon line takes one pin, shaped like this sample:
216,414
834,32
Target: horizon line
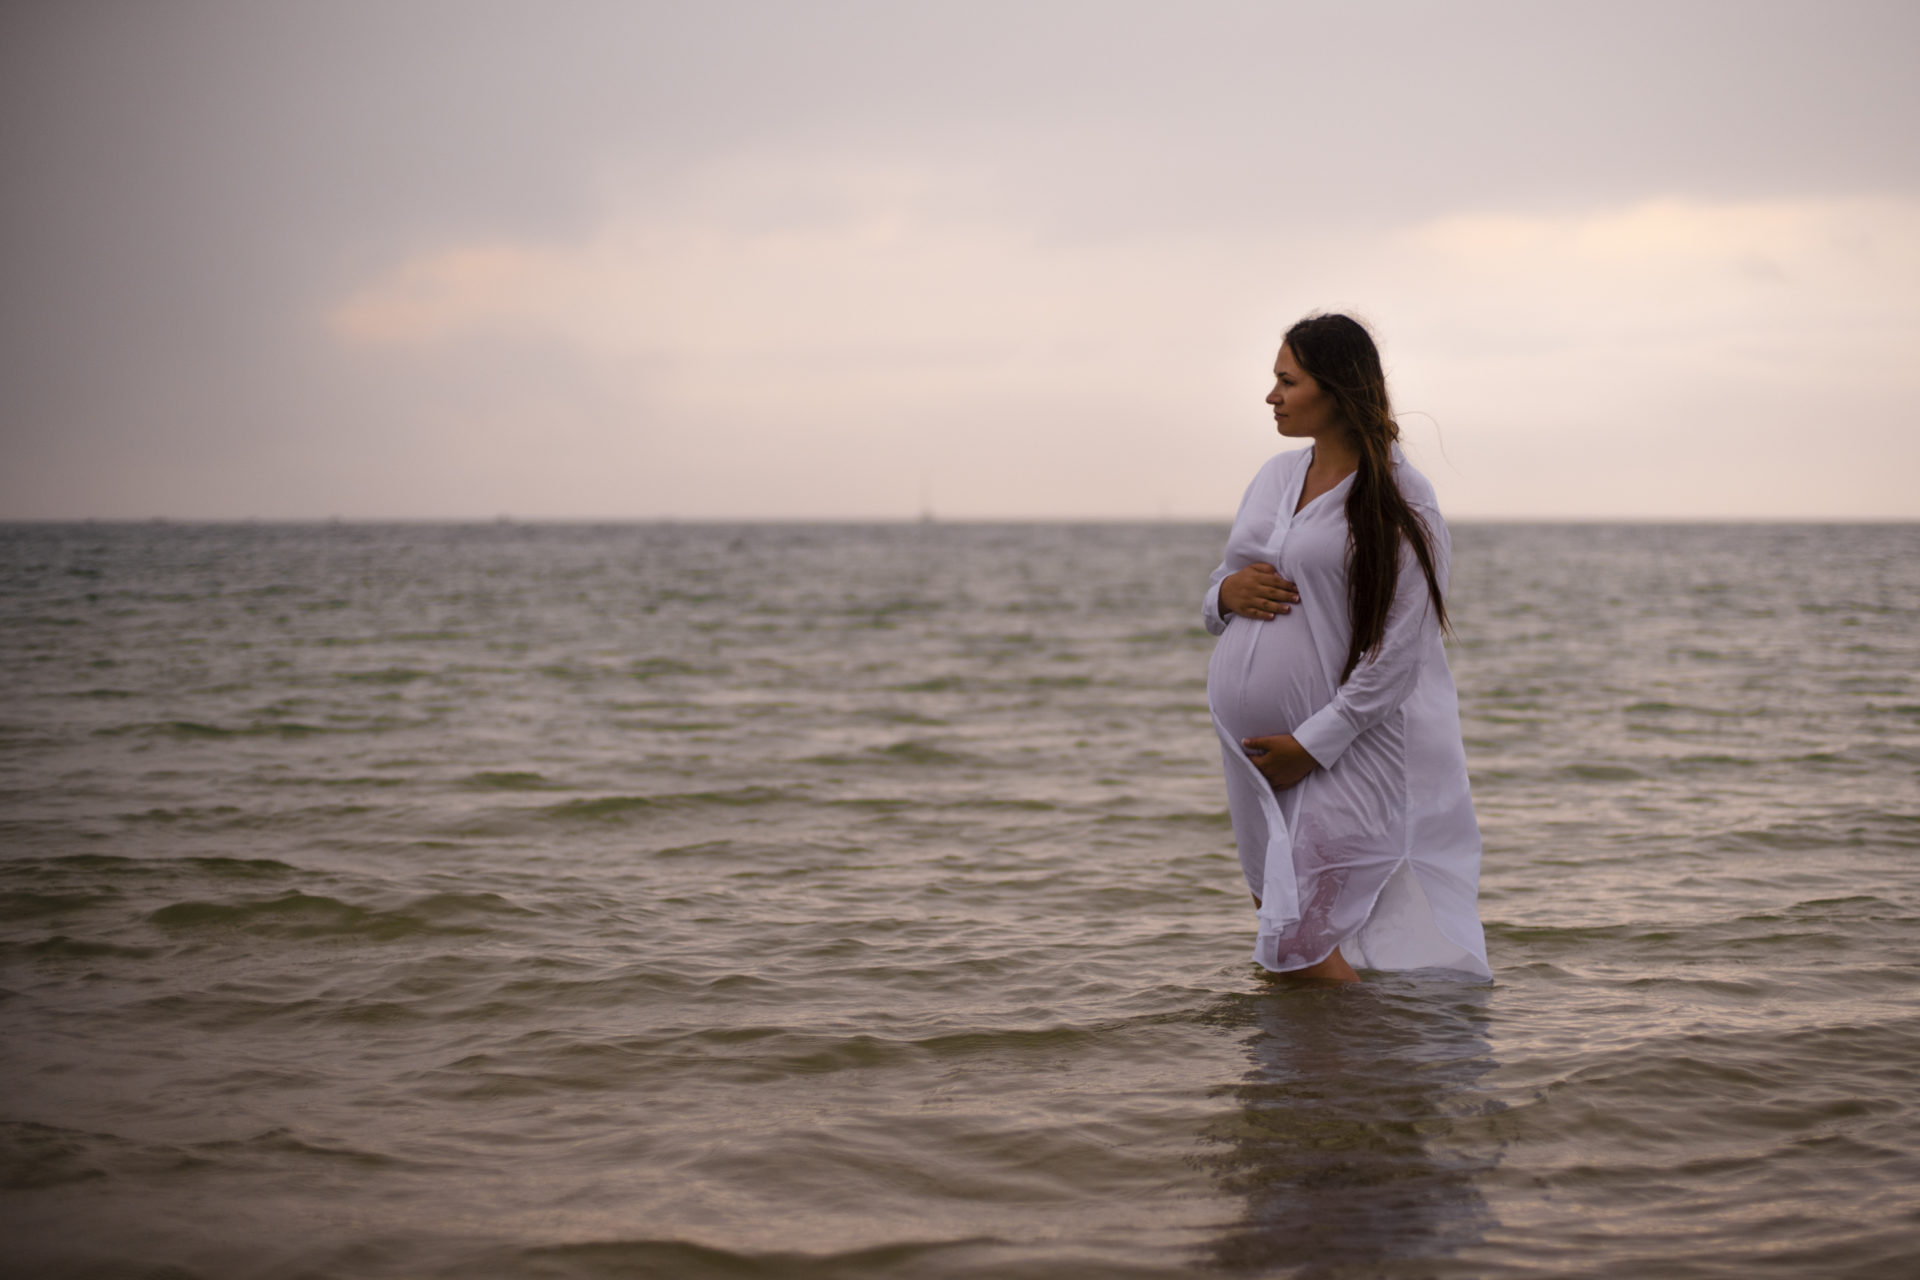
925,519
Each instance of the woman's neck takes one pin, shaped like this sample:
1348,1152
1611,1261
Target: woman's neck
1333,455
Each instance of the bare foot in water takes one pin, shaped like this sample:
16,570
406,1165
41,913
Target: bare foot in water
1334,969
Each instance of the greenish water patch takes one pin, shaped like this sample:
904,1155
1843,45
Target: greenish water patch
507,780
936,684
654,668
64,947
241,868
911,753
390,675
296,914
29,905
606,807
1602,773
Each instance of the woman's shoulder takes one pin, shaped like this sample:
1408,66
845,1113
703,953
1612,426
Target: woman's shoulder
1413,486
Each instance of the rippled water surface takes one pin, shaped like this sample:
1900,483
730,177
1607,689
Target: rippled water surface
859,901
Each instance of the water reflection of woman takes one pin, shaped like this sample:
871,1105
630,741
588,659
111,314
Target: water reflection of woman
1338,721
1360,1144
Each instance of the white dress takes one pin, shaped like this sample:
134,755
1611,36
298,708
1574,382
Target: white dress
1377,851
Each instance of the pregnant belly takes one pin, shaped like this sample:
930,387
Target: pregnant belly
1265,677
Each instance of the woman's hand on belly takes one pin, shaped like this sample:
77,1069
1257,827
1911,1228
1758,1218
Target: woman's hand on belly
1280,760
1257,591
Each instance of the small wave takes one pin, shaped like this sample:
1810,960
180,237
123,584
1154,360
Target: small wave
1014,1043
421,637
938,684
621,806
1675,708
1602,773
898,715
281,1142
654,668
1734,988
60,945
376,1013
1703,763
34,1156
705,849
616,991
684,1260
295,914
180,815
29,905
745,1054
181,729
910,752
1220,818
357,780
195,729
507,780
1852,906
1779,836
1575,934
113,862
390,675
1788,1084
447,906
874,804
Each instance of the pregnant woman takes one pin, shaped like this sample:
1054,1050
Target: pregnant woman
1339,726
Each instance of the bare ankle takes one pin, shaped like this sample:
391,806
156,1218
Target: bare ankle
1333,969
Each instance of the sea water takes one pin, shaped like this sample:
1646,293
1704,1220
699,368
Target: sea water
857,901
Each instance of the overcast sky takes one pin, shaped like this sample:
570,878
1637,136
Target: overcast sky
566,260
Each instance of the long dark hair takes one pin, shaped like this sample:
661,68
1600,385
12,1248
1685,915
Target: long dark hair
1337,352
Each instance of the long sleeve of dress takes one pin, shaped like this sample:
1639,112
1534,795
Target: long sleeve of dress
1382,681
1258,497
1211,616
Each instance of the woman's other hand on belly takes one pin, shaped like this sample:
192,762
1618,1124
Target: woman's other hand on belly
1257,591
1280,760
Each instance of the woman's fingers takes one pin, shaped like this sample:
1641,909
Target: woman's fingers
1272,590
1259,592
1279,589
1280,759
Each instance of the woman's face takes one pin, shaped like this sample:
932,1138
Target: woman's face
1300,407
